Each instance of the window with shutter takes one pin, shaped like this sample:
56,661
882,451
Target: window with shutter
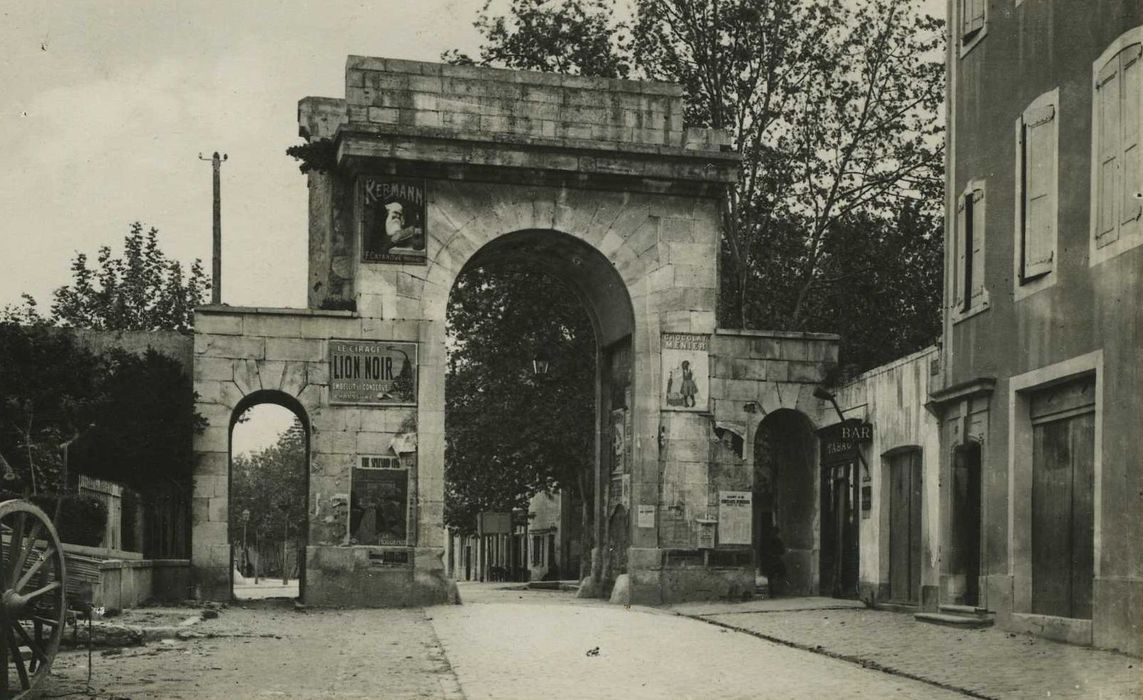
969,294
1038,184
1117,154
1107,101
975,245
959,274
1131,80
972,17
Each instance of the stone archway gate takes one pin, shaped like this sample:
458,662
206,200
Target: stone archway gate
422,166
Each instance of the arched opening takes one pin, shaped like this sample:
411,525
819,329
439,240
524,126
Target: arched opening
784,502
535,430
268,495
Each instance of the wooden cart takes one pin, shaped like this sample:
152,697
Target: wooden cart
33,602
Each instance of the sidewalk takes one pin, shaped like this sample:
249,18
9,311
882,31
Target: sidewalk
988,663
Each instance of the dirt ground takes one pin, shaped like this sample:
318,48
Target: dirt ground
270,651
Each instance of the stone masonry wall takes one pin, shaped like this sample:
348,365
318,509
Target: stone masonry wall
518,103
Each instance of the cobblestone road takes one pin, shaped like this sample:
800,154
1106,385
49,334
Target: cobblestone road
987,662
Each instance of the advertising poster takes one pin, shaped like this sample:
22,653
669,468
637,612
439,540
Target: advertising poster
378,372
393,215
379,506
686,372
735,512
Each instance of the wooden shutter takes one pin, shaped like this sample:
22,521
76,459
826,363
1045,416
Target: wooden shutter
972,16
959,274
976,240
1107,152
1131,79
1039,235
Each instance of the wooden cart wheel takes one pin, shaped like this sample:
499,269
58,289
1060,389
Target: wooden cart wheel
33,599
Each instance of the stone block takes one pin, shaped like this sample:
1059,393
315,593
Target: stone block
211,463
793,349
218,508
210,534
323,327
777,371
229,346
246,376
214,438
694,276
216,369
373,443
272,325
200,510
217,324
295,349
206,486
809,372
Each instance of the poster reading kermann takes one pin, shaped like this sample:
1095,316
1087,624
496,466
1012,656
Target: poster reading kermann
392,220
381,372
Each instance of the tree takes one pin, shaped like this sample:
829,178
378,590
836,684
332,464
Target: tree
142,436
833,107
52,391
512,434
142,290
124,417
272,484
580,37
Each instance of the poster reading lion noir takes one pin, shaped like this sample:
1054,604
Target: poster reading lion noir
392,220
686,372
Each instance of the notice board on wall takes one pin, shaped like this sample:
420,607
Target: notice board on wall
735,517
377,372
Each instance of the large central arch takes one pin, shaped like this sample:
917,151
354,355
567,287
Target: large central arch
604,296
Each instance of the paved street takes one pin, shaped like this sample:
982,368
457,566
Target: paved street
534,644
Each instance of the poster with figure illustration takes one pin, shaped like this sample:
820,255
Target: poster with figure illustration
392,220
686,372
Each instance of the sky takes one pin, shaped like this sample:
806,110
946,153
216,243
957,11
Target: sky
106,105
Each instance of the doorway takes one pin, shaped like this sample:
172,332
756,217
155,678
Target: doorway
967,516
269,485
840,557
1063,456
784,502
905,527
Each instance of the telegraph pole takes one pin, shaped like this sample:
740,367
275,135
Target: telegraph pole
216,266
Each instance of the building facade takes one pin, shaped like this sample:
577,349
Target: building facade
1040,390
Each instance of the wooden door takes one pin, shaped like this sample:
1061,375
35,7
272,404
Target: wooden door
1063,453
905,527
839,556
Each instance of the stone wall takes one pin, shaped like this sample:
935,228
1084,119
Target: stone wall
518,103
893,399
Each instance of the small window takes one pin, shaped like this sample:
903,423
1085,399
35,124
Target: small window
969,290
1037,178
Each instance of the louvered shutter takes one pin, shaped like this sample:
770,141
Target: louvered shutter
1131,81
1108,153
959,274
1039,223
976,240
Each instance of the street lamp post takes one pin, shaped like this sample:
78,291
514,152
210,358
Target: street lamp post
245,552
284,507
